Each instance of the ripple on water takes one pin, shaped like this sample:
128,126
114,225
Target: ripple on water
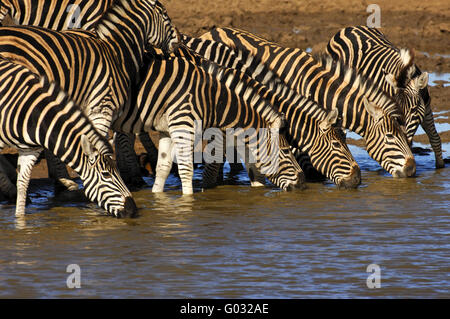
239,242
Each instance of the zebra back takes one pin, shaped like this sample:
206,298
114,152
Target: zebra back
55,14
96,69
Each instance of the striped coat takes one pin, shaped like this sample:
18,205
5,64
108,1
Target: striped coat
34,115
369,51
362,106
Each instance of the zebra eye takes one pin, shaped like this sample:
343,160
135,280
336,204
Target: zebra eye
389,136
336,144
106,175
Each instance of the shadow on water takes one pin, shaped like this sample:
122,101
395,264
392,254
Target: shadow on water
239,242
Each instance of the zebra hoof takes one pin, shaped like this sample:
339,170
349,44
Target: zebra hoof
441,163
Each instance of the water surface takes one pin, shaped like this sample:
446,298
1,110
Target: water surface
239,242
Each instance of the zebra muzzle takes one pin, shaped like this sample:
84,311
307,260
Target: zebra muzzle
130,209
354,178
408,170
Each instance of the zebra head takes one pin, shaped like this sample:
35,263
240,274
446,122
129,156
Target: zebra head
276,159
386,140
162,33
409,99
289,175
103,184
330,154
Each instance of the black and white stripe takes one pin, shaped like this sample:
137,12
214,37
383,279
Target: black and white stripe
178,92
362,106
330,154
35,115
96,68
55,14
371,53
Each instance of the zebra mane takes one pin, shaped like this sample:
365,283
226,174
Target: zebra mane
359,81
408,68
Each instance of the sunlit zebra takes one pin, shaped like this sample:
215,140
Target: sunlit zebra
369,51
34,115
96,68
55,14
178,97
362,106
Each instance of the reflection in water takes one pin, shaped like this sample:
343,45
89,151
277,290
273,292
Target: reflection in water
239,242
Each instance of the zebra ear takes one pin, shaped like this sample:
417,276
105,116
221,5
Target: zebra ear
330,120
373,109
390,78
87,147
422,81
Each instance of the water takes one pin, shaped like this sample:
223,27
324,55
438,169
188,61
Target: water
238,242
434,77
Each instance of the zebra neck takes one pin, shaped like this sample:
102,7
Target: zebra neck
61,129
124,32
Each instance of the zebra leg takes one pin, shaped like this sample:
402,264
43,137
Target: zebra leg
435,141
183,143
58,172
164,164
25,164
235,167
150,148
210,175
213,170
9,169
127,160
7,188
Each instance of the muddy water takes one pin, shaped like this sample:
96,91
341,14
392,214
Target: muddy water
240,242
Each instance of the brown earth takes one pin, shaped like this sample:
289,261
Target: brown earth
420,25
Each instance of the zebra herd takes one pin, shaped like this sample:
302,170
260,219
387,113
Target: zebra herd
74,71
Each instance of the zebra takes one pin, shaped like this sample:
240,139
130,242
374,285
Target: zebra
369,51
36,114
362,106
335,160
177,94
176,73
98,67
55,14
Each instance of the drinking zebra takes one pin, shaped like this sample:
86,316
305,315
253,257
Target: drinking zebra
34,115
96,68
362,106
371,53
177,98
175,73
